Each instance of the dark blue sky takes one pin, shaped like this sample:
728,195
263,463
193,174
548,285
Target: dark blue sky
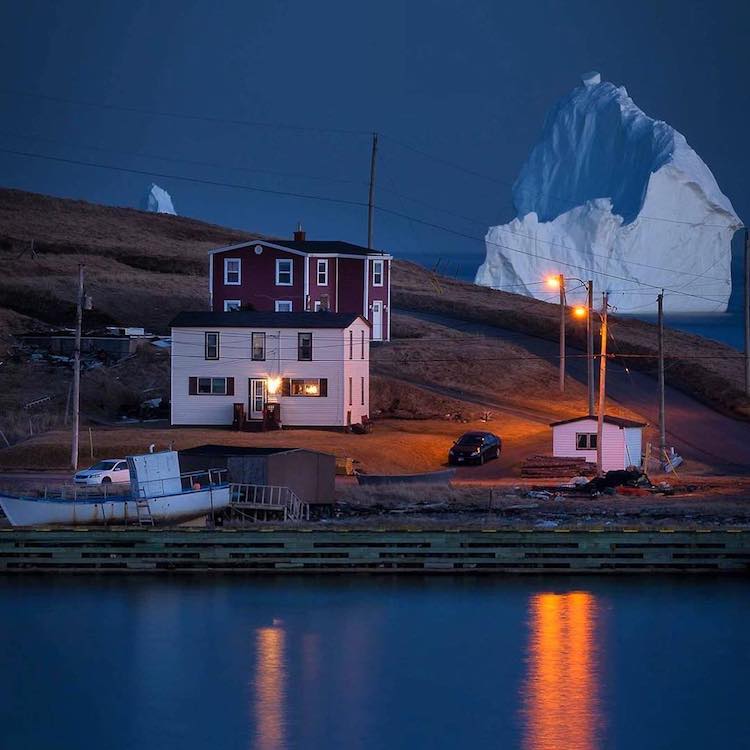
467,81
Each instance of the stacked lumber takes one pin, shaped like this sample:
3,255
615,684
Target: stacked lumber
549,466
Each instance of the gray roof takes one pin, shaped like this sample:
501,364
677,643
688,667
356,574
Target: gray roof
253,319
619,421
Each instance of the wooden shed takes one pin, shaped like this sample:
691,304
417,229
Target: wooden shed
622,441
311,475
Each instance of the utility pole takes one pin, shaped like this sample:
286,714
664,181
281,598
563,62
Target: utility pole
561,284
662,416
747,312
371,197
77,370
590,346
602,386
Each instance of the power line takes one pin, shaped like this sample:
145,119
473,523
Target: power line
359,204
186,116
213,165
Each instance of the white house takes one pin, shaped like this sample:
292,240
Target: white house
622,441
316,366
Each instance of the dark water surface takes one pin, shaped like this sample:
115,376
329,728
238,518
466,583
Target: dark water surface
345,662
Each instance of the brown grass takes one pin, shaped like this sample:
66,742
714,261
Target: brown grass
394,446
714,377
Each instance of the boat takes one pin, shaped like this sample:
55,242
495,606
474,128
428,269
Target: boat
159,494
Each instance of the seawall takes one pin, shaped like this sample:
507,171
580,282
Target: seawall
403,551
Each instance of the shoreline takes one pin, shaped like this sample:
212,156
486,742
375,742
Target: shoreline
273,549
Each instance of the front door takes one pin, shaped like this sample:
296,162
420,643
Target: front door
377,320
257,397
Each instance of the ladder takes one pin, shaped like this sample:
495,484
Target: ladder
143,510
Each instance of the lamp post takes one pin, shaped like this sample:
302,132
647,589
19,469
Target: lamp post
579,312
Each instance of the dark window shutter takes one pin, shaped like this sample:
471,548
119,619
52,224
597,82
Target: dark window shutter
324,386
286,386
230,386
193,386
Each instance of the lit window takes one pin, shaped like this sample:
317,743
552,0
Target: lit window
231,304
323,272
283,305
232,271
304,346
305,387
258,347
377,273
586,441
283,272
212,345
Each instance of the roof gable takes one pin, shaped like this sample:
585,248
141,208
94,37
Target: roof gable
308,247
619,421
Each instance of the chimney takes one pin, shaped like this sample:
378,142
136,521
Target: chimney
299,233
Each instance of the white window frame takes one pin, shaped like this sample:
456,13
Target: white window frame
381,265
317,306
282,302
232,304
322,270
279,261
589,438
227,261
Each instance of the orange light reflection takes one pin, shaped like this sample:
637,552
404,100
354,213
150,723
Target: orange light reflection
561,692
269,689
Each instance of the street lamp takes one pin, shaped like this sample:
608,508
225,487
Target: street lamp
558,282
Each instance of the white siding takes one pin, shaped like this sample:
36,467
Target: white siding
356,368
330,361
613,443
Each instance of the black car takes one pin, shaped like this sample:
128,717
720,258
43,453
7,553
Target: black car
475,447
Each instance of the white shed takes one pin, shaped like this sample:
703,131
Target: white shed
622,441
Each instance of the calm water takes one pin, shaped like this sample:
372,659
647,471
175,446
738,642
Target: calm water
556,664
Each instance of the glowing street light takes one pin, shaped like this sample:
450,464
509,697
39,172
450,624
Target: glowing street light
580,311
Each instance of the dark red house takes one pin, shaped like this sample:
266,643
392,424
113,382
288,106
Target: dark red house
303,275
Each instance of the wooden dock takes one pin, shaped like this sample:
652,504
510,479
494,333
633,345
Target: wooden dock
304,550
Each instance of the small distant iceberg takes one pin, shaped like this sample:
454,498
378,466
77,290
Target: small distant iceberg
158,201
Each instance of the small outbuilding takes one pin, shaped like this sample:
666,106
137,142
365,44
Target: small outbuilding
622,441
311,475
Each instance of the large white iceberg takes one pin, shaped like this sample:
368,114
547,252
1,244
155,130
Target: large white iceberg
612,195
157,200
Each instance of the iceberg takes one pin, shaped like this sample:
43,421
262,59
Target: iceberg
158,201
612,195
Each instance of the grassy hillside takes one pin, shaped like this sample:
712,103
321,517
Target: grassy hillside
143,268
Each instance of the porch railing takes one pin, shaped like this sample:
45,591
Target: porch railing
263,497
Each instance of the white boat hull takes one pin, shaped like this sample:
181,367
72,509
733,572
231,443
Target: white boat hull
102,511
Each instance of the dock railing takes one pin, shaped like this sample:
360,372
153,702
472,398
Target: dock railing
248,499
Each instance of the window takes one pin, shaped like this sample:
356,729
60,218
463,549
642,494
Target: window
283,272
231,304
363,345
258,346
377,273
211,386
283,305
323,272
122,466
232,271
351,344
323,304
586,441
212,345
350,391
304,346
363,391
309,387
